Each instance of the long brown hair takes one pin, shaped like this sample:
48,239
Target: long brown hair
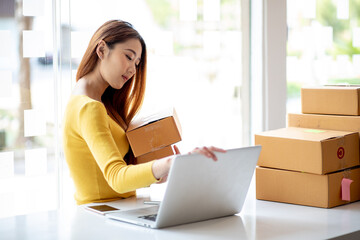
121,104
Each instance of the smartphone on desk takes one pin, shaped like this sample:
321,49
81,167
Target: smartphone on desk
102,209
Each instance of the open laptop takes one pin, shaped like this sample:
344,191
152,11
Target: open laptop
199,189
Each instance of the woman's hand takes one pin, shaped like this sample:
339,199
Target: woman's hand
164,179
162,166
208,151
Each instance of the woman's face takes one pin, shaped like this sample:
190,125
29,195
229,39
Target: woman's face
119,64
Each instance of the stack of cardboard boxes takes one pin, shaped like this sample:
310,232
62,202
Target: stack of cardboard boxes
315,160
151,137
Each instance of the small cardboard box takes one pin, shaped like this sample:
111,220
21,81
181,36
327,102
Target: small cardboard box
308,150
161,153
331,122
340,100
148,134
306,188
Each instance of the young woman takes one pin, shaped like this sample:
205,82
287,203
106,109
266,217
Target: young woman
109,92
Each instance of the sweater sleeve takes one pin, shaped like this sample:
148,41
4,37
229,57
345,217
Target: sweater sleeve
95,130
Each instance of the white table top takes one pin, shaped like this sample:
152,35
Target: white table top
258,220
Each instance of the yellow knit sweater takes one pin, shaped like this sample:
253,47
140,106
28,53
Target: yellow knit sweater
94,147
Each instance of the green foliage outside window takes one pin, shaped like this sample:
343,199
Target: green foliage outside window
326,15
342,28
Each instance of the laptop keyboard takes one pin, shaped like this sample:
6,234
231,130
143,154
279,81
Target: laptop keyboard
151,217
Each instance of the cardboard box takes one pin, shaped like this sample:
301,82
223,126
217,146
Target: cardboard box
161,153
331,100
330,122
148,134
306,188
308,150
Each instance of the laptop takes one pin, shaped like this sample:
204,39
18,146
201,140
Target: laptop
199,189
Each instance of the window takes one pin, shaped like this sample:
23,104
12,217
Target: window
194,64
323,45
28,164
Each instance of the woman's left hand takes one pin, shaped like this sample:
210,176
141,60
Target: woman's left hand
208,151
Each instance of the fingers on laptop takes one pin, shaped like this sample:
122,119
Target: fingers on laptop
208,151
216,149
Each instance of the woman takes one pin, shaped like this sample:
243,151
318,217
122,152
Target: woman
109,92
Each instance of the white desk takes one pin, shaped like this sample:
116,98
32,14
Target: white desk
258,220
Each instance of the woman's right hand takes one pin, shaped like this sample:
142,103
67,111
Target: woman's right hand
161,167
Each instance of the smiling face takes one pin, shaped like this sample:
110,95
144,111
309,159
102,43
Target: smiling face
118,62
